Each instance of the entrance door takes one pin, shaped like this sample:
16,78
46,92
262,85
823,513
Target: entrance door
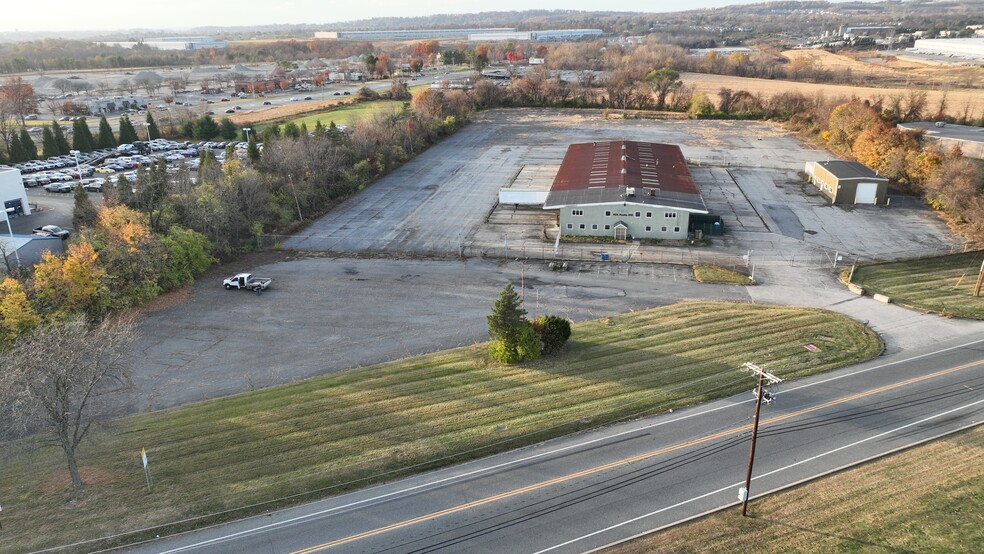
620,232
865,193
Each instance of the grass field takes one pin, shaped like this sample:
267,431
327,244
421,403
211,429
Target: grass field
902,503
943,285
346,114
720,275
347,429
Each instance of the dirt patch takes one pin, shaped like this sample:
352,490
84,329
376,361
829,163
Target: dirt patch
288,111
60,481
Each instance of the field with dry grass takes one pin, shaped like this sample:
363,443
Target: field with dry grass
958,101
902,503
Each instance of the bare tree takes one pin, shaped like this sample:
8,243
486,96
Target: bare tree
61,378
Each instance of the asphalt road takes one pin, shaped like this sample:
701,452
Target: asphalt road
588,490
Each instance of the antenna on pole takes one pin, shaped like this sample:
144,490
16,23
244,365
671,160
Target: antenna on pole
760,395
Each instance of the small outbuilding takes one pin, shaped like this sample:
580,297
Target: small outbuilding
848,182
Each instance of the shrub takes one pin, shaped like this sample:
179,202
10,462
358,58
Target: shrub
524,345
553,332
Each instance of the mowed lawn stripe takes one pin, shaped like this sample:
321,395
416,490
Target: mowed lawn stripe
449,406
942,285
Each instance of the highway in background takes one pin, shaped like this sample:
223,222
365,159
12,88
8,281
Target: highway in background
591,489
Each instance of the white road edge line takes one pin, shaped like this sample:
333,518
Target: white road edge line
525,459
781,469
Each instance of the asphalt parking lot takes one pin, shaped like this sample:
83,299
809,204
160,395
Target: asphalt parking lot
327,314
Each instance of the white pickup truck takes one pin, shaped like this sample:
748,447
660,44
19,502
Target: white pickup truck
246,281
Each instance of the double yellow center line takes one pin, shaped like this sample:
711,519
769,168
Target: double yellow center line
627,461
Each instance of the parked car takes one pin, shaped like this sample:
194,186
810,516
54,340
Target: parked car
58,187
93,185
52,231
246,281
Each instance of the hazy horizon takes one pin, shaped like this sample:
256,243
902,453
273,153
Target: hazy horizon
103,15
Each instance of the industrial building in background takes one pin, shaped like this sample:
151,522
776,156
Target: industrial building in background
625,190
172,43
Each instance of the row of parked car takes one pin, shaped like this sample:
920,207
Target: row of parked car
56,175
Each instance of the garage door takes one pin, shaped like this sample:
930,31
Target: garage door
865,193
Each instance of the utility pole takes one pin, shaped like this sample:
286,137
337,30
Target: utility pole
760,393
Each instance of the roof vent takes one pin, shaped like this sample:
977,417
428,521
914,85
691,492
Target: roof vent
630,191
623,146
624,158
624,171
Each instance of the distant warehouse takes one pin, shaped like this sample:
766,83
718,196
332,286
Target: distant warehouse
625,190
172,43
553,35
408,34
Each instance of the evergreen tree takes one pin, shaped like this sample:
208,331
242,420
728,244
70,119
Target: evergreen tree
60,141
304,130
206,128
152,129
27,145
106,138
15,149
513,337
319,129
252,150
84,214
188,129
228,129
333,134
82,136
292,130
3,157
128,134
48,147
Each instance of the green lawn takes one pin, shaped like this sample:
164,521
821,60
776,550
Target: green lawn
346,114
720,275
903,503
943,285
328,434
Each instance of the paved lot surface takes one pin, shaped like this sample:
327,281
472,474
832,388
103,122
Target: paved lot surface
324,314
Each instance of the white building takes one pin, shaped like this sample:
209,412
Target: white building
172,43
13,194
963,48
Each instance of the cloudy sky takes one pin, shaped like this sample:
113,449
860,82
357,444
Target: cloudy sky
81,15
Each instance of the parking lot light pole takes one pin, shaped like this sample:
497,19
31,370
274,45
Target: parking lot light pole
247,130
147,126
78,170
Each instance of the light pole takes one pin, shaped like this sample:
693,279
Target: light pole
247,130
147,126
78,170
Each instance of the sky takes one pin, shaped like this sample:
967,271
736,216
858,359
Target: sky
107,15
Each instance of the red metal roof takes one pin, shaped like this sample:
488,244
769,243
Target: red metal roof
643,165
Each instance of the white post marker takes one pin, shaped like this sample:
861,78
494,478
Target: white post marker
143,456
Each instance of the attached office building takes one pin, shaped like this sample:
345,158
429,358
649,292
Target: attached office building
625,190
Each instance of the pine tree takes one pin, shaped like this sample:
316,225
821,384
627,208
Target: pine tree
60,141
82,136
152,129
513,337
27,145
304,130
84,214
15,149
507,314
228,129
128,134
319,129
106,138
49,148
252,150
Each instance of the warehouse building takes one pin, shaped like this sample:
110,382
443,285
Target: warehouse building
848,182
171,43
625,190
550,35
407,34
960,48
